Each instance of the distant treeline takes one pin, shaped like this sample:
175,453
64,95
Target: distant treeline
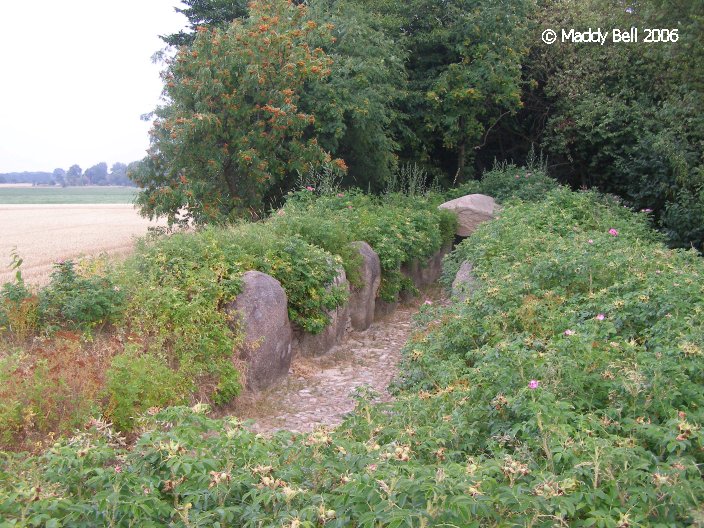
75,176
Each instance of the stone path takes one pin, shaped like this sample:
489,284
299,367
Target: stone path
318,389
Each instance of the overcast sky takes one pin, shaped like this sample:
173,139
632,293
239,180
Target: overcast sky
75,77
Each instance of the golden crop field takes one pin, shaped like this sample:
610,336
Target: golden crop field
44,234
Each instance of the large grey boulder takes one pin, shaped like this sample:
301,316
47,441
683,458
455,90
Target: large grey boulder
308,344
471,210
363,299
261,312
465,282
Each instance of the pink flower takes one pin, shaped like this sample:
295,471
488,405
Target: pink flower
600,317
309,188
590,241
349,207
613,232
428,302
569,332
118,469
646,210
534,384
340,195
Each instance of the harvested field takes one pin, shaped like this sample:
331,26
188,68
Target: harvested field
46,233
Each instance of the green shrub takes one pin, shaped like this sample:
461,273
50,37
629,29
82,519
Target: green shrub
305,271
683,219
19,312
331,232
79,302
177,289
400,228
506,181
137,382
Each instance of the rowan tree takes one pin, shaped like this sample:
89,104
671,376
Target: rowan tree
231,128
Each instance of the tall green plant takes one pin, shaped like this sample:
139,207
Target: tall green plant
232,128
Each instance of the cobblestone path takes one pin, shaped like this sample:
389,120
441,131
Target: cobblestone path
318,390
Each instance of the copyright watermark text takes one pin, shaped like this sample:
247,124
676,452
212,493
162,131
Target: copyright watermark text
600,36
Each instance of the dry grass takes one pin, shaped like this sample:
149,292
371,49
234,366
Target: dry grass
44,234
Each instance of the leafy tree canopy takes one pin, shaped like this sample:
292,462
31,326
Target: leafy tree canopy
231,130
214,13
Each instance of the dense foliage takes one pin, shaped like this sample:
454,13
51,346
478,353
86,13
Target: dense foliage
232,129
505,182
456,85
388,86
566,391
413,229
625,118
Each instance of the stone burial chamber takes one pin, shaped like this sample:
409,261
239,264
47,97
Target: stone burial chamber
270,341
261,309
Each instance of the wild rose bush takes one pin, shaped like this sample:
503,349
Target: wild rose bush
505,182
567,391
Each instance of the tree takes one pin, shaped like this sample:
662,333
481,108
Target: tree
206,13
464,73
97,174
74,174
231,130
59,177
118,175
357,105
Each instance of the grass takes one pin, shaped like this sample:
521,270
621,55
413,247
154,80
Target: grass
66,195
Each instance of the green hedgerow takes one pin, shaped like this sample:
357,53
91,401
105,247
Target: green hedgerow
398,227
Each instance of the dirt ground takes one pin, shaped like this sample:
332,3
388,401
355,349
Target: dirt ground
44,234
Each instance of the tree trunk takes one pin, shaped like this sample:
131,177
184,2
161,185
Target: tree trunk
461,161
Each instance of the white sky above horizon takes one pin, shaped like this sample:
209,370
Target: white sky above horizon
75,77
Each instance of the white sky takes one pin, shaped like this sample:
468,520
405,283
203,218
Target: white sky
75,76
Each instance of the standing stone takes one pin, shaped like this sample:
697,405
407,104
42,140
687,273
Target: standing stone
465,282
383,308
471,210
308,344
362,299
261,311
425,273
